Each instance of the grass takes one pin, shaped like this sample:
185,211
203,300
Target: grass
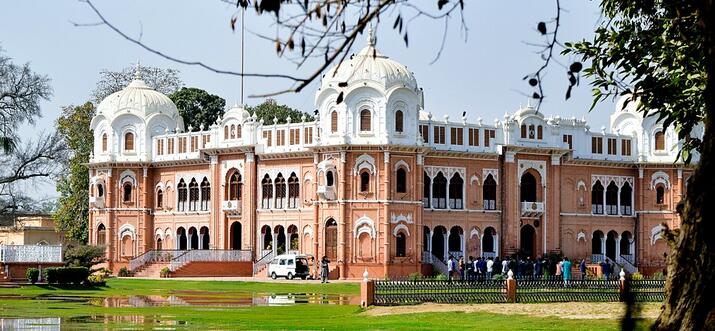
122,287
77,314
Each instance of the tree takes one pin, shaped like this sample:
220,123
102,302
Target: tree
198,107
270,109
166,81
85,256
21,91
662,55
72,215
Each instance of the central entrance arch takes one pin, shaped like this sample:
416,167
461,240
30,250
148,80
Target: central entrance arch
528,240
331,239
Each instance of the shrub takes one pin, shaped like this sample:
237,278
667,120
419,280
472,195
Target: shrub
32,275
124,272
104,272
85,256
96,280
440,277
415,276
498,277
658,276
66,275
637,276
165,272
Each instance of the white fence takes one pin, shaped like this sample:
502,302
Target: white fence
30,254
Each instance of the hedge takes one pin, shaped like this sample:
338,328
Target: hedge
66,275
32,275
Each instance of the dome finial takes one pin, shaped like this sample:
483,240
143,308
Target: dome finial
137,71
370,37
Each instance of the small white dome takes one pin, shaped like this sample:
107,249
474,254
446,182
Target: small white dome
137,99
370,65
238,112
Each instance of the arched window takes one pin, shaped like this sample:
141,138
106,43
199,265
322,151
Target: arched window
233,131
426,191
234,186
540,132
528,188
365,120
489,193
401,245
439,192
159,198
329,179
399,121
612,199
128,141
660,195
293,191
626,205
104,142
364,181
456,184
280,184
401,181
127,192
101,235
659,141
523,131
238,131
181,188
597,198
100,190
333,122
205,194
225,132
267,185
532,132
193,194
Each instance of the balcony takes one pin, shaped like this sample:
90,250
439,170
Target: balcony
532,209
231,207
327,192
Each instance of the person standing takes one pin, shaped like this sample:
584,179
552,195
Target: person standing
566,265
505,266
605,269
559,268
582,268
538,268
450,268
324,269
470,268
461,267
490,268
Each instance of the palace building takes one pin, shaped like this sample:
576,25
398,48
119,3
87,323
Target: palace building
377,182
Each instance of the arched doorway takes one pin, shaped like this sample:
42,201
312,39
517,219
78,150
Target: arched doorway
438,244
611,244
101,234
455,241
280,239
193,238
488,241
205,238
528,240
236,235
293,238
528,187
181,238
596,242
267,237
426,238
626,239
331,239
158,242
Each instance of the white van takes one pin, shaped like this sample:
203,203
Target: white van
289,266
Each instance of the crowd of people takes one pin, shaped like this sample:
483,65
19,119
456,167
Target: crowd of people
542,267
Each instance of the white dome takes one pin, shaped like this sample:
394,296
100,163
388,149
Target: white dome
238,112
137,99
370,65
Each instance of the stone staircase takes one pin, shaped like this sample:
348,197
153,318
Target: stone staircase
151,269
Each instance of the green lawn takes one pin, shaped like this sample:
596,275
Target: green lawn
80,314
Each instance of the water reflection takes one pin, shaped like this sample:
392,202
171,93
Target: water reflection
245,299
45,323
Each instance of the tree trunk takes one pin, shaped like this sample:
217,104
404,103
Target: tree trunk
690,286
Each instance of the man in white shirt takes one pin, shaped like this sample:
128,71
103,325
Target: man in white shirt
505,266
490,265
450,268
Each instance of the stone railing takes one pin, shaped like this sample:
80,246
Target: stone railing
597,258
31,253
267,258
529,208
154,256
210,255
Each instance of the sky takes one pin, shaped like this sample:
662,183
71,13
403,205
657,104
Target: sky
481,75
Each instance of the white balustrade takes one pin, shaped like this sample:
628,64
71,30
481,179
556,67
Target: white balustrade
31,253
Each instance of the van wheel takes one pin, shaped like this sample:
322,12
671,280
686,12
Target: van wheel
273,276
303,277
290,275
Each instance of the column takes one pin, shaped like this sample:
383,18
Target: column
603,246
429,242
496,245
431,193
342,224
274,241
109,223
316,210
481,245
618,248
248,206
446,246
285,235
463,239
145,235
386,210
618,210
